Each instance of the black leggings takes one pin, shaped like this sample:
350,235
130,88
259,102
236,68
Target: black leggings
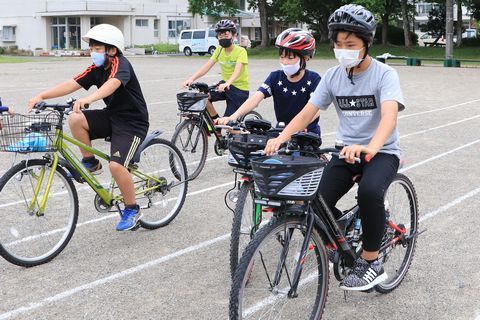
376,177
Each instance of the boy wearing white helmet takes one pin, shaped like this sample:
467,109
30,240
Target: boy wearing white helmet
124,119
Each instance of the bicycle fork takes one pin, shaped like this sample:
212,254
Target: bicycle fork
41,204
309,222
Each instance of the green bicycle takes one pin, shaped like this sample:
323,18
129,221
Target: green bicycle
39,202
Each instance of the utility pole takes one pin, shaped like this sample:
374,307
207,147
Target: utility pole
449,30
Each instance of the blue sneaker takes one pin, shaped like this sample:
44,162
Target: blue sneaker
130,218
93,168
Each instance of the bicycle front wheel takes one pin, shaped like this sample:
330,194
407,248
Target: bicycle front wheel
191,139
29,236
262,284
401,207
166,193
243,223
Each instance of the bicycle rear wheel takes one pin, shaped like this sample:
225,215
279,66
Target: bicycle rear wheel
162,160
27,236
263,279
401,206
191,139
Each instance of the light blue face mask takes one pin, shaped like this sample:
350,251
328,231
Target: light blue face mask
98,58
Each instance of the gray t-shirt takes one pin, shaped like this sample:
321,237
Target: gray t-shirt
358,105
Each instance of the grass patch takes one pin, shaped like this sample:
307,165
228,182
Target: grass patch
325,52
8,59
160,47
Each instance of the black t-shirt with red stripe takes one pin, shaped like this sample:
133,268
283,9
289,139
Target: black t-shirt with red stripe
127,102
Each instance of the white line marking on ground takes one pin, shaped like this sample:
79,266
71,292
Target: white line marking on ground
113,277
204,244
34,237
439,156
439,127
437,109
450,204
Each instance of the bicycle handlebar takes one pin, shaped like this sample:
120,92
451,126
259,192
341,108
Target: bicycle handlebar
67,108
203,87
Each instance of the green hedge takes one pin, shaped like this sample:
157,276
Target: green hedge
471,42
395,36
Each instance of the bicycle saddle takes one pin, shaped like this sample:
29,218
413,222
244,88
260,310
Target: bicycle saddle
257,125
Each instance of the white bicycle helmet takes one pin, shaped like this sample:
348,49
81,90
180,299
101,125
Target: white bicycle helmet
106,33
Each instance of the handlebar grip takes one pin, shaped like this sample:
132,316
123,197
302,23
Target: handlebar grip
3,109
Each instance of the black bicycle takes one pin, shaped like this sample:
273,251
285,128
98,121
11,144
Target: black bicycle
196,125
248,216
284,271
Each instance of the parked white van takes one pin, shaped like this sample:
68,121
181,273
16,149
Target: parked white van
199,41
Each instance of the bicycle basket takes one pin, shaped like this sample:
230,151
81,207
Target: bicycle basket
241,147
28,133
287,177
192,101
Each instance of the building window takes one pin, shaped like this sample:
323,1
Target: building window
8,33
176,26
141,22
95,21
156,23
66,33
258,34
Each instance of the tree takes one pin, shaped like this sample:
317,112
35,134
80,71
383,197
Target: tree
262,7
314,13
213,8
437,21
406,24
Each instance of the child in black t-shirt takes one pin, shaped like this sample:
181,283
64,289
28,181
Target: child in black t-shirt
125,118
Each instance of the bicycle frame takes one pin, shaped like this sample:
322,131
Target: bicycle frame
64,150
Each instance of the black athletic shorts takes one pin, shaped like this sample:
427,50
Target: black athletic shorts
125,135
235,98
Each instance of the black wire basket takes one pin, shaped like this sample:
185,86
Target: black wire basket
287,177
245,147
28,133
192,101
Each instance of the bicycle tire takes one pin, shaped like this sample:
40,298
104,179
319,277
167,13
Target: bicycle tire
152,161
399,273
22,175
251,115
246,189
194,167
245,273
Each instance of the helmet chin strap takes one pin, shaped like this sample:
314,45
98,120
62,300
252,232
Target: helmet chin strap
350,72
303,64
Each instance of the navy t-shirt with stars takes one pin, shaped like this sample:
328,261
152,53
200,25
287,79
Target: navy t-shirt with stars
289,98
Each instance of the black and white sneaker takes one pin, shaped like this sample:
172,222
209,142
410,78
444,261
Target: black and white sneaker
364,276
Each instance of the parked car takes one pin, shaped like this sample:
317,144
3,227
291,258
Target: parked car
427,39
199,41
469,33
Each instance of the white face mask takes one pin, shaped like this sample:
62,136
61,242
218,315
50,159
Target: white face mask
348,58
291,69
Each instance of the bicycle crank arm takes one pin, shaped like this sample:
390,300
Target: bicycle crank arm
416,234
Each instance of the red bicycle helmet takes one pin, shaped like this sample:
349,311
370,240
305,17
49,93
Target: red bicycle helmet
296,40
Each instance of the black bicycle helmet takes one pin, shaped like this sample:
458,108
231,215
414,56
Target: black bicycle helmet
354,18
225,25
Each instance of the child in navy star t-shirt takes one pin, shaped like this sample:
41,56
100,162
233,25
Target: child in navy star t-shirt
291,86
